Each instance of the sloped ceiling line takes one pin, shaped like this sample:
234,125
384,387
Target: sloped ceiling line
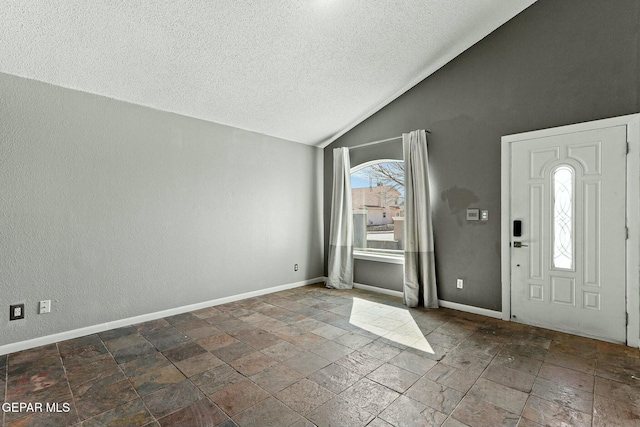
306,71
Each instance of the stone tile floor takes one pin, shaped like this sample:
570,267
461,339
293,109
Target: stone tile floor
315,356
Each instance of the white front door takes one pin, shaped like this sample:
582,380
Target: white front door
568,266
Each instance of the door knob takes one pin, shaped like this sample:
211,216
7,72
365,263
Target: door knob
519,245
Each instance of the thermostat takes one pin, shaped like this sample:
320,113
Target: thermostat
473,214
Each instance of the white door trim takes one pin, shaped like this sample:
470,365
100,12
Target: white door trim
632,122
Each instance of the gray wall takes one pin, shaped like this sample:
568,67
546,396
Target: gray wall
113,210
378,274
557,63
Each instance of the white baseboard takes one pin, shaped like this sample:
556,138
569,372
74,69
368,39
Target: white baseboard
442,303
94,329
471,309
460,307
378,290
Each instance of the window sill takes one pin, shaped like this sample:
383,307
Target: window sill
368,256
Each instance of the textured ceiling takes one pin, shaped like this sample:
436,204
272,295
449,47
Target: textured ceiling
306,70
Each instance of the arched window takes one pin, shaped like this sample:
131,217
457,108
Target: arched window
377,191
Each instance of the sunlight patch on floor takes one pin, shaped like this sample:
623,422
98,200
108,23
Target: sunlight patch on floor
393,323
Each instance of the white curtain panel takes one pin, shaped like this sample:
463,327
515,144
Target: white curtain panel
419,262
341,230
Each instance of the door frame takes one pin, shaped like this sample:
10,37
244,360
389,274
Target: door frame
632,121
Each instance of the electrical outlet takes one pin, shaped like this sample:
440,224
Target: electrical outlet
16,312
45,306
295,267
459,283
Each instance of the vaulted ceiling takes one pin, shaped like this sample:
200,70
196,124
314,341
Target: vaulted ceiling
306,70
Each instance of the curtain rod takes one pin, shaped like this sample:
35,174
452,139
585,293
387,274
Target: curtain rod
381,141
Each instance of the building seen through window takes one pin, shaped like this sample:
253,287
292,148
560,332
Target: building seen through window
377,191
